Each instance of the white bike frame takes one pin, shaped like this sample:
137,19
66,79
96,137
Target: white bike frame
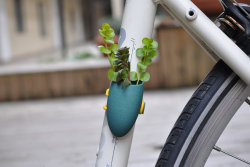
137,23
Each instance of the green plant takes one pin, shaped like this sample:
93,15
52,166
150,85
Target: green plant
109,48
122,67
146,54
118,58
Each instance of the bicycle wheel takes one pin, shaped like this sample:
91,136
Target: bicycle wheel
204,118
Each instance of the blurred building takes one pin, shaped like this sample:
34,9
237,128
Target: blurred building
31,27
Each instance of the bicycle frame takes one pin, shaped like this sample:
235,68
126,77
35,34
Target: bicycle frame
137,23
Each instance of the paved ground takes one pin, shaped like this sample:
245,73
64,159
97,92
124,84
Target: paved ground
65,132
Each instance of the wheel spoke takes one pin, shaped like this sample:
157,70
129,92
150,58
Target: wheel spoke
231,155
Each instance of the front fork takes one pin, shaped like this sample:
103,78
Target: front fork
137,23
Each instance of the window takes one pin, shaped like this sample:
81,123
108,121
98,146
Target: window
41,19
19,15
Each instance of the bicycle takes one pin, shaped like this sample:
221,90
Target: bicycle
217,98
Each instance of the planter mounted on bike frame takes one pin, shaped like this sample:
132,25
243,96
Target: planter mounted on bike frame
123,107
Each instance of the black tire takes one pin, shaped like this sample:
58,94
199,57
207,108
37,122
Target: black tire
203,119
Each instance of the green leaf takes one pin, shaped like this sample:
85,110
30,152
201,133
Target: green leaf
109,40
117,68
154,44
104,50
147,49
123,54
112,75
107,31
106,26
123,51
147,41
133,76
124,57
141,66
119,76
117,62
111,34
152,54
124,74
139,52
148,61
125,83
101,33
112,60
145,76
114,48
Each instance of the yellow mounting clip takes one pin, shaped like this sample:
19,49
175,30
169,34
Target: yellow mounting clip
105,107
107,92
142,107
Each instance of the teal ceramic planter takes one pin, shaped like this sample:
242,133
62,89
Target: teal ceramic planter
123,107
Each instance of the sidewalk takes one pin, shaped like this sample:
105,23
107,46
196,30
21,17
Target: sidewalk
65,132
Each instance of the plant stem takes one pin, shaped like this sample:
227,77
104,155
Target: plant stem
138,80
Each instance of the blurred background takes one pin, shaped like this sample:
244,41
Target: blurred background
48,48
53,78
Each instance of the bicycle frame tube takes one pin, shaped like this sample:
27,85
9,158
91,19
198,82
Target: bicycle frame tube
137,23
209,36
